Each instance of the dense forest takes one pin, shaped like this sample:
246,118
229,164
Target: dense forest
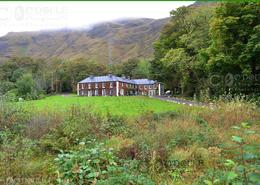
206,50
212,48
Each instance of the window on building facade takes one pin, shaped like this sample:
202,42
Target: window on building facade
103,85
111,92
111,84
89,93
103,92
96,85
122,84
89,86
96,92
150,86
145,86
122,92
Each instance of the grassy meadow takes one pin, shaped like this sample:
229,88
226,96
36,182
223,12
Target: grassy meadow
123,105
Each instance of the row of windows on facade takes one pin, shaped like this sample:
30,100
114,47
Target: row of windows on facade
122,84
104,92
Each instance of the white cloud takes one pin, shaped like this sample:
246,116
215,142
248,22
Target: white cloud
32,16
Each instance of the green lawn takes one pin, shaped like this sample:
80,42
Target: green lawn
128,105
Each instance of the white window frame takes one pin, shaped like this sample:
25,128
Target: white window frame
96,85
122,92
89,86
103,92
111,85
103,85
96,92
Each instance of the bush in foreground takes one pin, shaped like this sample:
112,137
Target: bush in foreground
189,146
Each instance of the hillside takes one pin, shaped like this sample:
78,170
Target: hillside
106,42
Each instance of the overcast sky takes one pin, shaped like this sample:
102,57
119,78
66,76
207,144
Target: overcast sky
34,16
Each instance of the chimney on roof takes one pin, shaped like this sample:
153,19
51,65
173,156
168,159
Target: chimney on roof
91,76
110,75
128,77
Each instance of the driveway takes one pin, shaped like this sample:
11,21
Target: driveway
180,101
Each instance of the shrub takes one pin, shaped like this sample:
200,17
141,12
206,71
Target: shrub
94,164
12,116
86,165
41,123
14,150
11,96
114,125
243,164
6,86
27,88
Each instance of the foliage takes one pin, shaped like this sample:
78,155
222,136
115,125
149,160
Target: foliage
154,142
33,77
142,69
94,164
213,46
86,165
234,31
133,68
243,167
175,147
177,52
26,87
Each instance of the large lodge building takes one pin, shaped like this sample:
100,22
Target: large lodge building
111,85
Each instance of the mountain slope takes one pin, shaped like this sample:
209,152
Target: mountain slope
105,42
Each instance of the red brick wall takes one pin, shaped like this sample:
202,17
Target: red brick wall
93,88
121,85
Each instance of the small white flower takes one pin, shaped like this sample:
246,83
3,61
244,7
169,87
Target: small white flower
82,143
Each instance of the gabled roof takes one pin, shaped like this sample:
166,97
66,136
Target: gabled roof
112,78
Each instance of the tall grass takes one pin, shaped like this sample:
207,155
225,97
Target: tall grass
170,147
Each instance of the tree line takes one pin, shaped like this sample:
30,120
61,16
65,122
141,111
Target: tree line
212,48
28,78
